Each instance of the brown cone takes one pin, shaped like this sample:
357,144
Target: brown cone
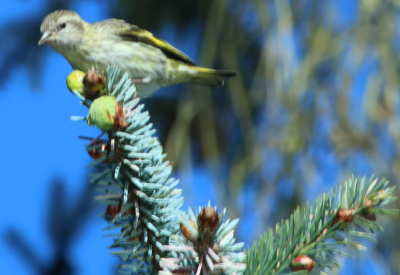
208,218
302,262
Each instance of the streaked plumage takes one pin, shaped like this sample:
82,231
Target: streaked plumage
115,42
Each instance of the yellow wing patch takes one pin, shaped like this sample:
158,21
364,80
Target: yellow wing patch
133,33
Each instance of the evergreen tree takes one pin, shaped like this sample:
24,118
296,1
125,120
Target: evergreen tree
154,236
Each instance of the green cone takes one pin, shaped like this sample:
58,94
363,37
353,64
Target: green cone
106,113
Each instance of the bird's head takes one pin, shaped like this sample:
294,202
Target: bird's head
62,29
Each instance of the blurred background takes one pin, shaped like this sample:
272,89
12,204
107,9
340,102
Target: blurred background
316,101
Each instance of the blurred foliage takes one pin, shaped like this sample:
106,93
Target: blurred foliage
316,99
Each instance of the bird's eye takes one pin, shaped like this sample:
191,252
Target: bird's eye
63,25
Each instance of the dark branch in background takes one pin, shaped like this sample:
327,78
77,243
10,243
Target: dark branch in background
17,241
65,222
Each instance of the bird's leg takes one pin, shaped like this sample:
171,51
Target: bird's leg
141,80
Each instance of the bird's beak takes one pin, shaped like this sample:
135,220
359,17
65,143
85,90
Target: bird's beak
46,37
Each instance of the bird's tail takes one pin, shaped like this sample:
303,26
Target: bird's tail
210,77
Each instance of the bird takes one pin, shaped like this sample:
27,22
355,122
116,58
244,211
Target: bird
151,62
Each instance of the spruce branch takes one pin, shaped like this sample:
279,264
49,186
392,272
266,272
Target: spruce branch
311,237
207,246
153,236
143,201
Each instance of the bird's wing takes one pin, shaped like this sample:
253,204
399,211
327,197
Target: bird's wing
133,33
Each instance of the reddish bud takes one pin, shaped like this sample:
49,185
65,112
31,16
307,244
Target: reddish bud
96,154
344,215
302,262
119,118
186,232
208,218
113,210
94,83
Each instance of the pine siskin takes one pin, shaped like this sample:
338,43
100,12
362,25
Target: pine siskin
115,42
